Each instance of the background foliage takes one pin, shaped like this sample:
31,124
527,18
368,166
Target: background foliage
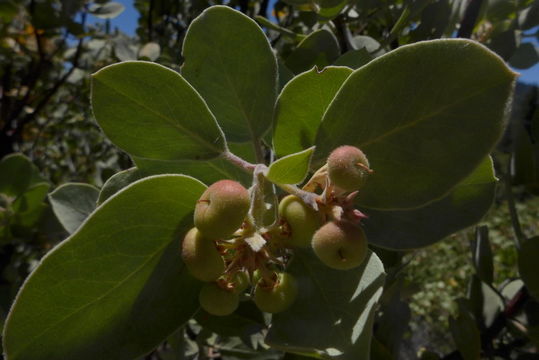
49,48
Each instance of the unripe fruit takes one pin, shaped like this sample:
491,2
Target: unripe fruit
240,282
201,256
218,301
221,209
348,168
303,220
276,298
340,245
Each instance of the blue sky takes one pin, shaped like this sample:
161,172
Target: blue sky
127,22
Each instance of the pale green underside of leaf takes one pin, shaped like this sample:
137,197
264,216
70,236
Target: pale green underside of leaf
464,206
416,113
334,312
229,60
150,111
116,287
72,203
291,169
301,106
117,182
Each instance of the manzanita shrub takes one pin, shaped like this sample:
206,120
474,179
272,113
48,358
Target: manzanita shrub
394,154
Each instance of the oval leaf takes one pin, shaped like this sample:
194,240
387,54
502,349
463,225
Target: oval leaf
291,169
150,111
229,60
116,287
72,203
406,108
208,171
301,106
319,49
117,182
354,58
15,174
464,206
107,11
339,302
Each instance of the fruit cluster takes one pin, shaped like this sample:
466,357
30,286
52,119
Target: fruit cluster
228,252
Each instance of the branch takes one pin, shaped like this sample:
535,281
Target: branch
44,101
470,17
517,228
150,21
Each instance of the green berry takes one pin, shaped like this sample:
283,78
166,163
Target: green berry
277,297
221,209
218,301
240,281
348,168
340,245
302,220
201,256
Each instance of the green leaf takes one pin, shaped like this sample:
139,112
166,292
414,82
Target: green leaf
229,60
330,9
206,171
464,206
416,112
291,169
339,302
435,19
151,112
526,56
246,320
482,255
117,286
29,207
528,265
107,11
301,106
8,10
117,182
466,335
72,203
319,49
354,59
15,174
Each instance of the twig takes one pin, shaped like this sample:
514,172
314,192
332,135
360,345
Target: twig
239,162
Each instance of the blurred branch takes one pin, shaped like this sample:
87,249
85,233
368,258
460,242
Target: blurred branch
343,34
470,18
150,21
263,11
517,228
